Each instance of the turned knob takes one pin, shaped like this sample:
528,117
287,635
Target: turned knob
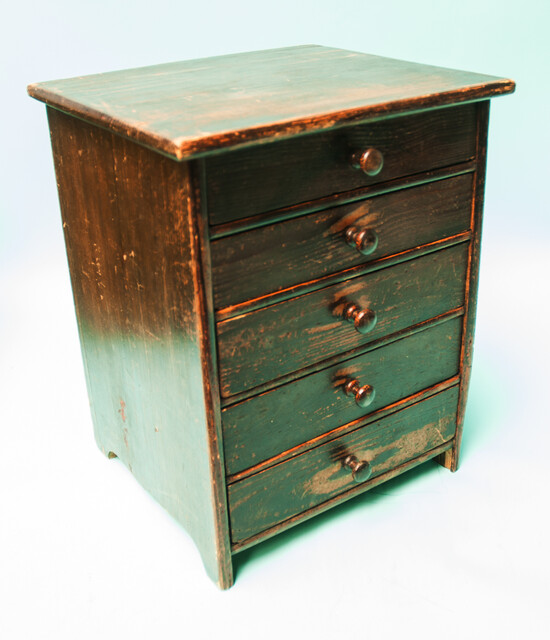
364,395
369,161
360,469
364,240
363,319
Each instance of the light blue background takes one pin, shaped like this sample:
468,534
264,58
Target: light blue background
84,553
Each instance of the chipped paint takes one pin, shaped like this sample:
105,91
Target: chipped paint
122,410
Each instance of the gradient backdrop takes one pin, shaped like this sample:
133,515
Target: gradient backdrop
85,553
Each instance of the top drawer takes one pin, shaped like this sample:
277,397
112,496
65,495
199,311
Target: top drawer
264,178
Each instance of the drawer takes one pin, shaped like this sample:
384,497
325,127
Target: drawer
268,424
281,255
267,177
264,345
281,492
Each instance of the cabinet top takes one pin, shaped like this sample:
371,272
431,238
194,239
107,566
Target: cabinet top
184,109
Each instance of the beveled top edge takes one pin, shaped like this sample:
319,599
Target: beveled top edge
186,109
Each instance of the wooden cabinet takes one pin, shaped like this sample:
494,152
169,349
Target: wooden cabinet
274,259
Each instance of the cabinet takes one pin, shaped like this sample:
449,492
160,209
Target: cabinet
274,259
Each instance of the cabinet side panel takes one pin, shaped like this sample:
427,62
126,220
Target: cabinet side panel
450,459
133,256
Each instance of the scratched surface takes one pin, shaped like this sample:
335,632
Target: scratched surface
185,108
281,255
137,302
246,182
261,346
272,422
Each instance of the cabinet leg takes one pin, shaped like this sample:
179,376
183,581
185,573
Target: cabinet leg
449,458
225,578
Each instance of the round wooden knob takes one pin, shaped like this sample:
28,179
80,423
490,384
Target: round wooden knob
364,240
364,395
363,319
370,161
360,469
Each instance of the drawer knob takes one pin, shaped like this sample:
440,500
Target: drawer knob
363,319
364,240
370,161
363,395
360,469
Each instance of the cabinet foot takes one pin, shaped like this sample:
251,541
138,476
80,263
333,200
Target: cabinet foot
448,459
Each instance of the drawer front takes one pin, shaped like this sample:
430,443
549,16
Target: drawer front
264,345
268,177
285,490
273,422
281,255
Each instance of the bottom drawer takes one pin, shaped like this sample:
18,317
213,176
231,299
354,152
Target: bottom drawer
290,488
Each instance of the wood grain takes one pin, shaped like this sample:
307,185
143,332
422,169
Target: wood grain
277,420
267,177
141,315
186,108
293,487
264,345
346,428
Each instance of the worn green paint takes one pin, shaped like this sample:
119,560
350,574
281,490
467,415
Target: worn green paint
183,108
137,299
272,496
270,423
264,345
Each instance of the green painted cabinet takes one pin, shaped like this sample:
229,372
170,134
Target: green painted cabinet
274,259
